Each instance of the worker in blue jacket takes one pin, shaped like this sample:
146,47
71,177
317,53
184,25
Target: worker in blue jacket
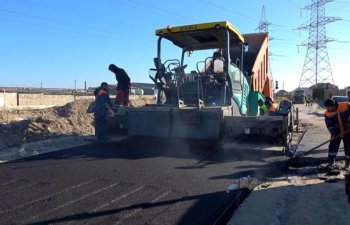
337,117
103,106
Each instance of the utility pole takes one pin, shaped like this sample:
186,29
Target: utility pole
85,85
317,67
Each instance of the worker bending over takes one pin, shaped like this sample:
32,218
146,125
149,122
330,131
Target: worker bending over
123,86
337,117
272,107
103,106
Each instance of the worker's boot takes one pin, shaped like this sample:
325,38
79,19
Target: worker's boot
331,163
347,165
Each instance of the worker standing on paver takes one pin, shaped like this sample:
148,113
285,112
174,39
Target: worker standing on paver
103,106
262,108
337,117
271,107
123,86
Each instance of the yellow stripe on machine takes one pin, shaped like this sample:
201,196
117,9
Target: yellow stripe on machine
201,26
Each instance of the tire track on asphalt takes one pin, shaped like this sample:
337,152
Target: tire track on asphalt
73,201
19,188
107,204
47,197
118,199
140,209
8,183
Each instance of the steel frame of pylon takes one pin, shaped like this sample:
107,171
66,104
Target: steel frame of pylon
263,24
317,67
264,27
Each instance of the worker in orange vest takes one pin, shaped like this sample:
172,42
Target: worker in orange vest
103,106
123,86
271,107
337,119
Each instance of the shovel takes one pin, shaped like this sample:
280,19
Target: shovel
296,156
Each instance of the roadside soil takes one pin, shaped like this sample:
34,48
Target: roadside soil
51,125
307,194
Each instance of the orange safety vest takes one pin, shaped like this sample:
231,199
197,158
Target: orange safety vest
273,107
101,92
342,116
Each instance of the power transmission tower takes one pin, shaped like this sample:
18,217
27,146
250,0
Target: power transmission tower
263,24
264,27
317,68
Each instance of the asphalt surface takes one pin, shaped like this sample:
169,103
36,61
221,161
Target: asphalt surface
137,181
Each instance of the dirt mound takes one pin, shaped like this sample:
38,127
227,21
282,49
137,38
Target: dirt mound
22,126
137,102
12,134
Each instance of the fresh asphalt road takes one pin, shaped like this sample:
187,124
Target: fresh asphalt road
137,181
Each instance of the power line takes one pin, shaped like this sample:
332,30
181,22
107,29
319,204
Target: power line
225,8
81,14
241,14
70,31
66,23
294,3
156,10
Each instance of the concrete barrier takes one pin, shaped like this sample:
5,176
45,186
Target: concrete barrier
40,100
9,99
43,99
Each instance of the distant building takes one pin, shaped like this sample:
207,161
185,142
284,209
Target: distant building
282,93
146,87
136,89
324,90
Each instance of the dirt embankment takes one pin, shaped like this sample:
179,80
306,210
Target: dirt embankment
23,126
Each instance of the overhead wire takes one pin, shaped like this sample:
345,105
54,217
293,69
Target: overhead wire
70,31
156,10
68,23
229,10
110,20
294,3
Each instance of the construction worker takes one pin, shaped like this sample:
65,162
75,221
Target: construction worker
103,106
123,86
271,107
311,100
337,117
308,100
285,107
262,108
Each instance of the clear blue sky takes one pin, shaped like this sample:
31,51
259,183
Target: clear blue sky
58,41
